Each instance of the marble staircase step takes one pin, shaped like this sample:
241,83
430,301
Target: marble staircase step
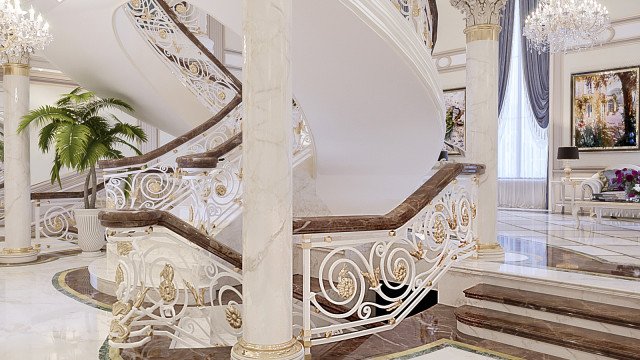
557,339
588,314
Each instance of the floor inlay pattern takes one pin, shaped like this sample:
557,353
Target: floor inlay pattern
447,349
75,284
46,257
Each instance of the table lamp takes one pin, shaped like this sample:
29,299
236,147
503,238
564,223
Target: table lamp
444,156
566,154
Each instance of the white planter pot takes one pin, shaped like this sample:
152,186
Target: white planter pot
90,232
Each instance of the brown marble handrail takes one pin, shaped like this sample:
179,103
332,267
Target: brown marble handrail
209,159
145,218
50,195
394,218
175,143
391,221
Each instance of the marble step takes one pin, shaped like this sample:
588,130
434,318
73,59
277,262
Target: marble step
557,339
592,315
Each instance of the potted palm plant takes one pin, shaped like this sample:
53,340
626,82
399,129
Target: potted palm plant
81,131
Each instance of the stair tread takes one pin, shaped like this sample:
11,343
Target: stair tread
590,310
591,341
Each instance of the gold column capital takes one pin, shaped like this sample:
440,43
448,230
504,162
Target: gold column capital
16,69
478,12
482,32
288,350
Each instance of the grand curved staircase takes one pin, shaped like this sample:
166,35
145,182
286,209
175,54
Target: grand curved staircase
375,109
337,93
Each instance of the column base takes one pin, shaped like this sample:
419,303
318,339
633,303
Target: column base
19,255
291,350
490,252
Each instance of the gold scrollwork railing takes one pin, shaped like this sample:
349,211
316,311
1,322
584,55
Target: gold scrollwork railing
172,289
379,277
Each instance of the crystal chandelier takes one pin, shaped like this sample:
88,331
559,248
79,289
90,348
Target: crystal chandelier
563,25
21,32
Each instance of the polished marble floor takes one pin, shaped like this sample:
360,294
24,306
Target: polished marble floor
40,321
37,322
551,240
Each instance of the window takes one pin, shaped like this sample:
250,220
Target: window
522,143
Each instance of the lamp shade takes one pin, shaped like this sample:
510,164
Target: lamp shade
444,155
568,153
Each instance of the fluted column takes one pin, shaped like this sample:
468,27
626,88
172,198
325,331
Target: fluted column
17,172
267,181
482,18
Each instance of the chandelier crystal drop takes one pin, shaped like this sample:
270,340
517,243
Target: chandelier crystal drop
21,32
563,25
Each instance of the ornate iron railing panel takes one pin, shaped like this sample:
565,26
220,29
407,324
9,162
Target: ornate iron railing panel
378,278
174,289
54,218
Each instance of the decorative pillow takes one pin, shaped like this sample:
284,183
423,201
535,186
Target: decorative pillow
611,177
603,179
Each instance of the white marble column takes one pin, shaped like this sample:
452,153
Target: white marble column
482,17
17,174
267,199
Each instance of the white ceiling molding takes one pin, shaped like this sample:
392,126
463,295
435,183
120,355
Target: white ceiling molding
451,60
623,31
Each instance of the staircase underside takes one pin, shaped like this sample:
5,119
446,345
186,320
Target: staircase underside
367,84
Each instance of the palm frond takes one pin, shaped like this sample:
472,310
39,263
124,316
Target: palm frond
95,106
46,114
99,125
95,150
114,154
47,135
129,145
128,131
55,171
75,97
71,143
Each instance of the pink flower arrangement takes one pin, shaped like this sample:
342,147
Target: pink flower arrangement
630,180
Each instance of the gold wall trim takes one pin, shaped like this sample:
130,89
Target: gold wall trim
16,69
482,32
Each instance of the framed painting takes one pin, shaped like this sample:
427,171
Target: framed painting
455,138
604,109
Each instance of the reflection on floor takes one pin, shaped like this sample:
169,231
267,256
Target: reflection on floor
536,239
38,322
50,308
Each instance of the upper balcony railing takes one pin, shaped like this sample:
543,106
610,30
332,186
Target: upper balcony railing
423,15
172,29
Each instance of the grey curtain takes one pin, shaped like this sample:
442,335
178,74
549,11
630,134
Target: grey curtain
536,71
506,22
